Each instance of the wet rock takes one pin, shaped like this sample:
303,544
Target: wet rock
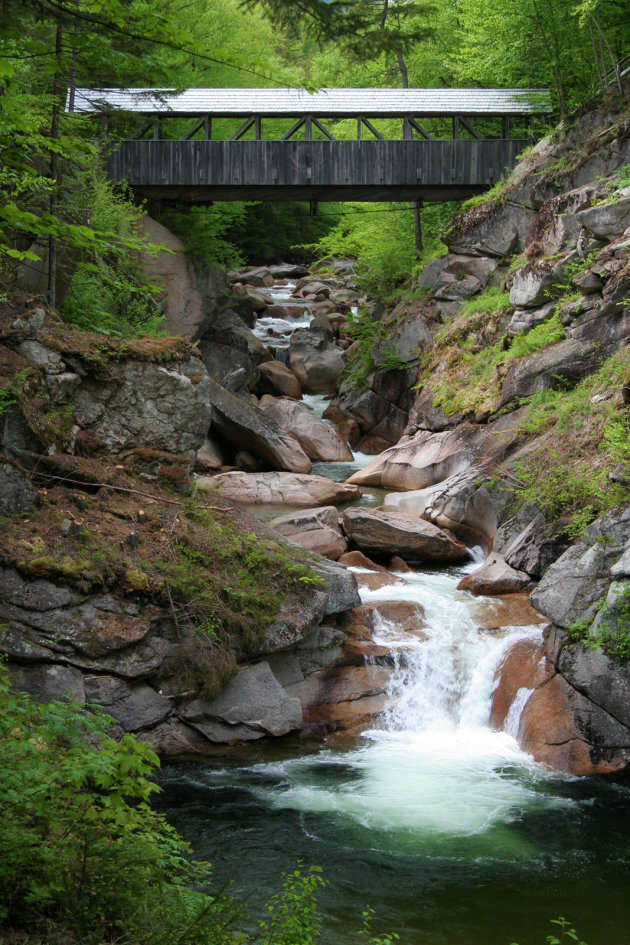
601,678
279,488
134,707
317,530
522,669
340,586
252,705
570,588
174,740
257,277
495,576
277,379
315,361
356,559
257,298
511,610
392,533
563,729
318,290
370,580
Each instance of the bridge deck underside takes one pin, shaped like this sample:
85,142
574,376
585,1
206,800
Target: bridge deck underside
199,171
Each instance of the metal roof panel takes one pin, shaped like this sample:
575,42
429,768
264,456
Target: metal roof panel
331,103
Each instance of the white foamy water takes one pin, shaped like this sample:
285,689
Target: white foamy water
276,331
433,768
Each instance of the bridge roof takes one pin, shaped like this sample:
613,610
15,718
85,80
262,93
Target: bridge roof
325,103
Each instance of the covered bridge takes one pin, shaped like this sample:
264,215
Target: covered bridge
277,144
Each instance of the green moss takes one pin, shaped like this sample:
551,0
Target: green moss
581,436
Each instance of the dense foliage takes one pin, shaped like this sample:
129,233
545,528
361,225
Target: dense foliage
81,850
62,223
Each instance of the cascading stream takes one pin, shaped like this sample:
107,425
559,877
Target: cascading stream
446,827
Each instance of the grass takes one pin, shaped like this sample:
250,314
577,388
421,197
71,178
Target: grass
469,365
579,438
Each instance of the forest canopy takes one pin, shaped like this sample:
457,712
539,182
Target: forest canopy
59,215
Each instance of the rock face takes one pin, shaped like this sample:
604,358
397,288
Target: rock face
86,396
577,717
191,290
390,534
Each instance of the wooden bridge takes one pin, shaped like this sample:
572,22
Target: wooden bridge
454,142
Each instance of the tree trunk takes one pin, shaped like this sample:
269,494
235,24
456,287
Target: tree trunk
51,289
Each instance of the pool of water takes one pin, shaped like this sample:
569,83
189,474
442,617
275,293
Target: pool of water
443,826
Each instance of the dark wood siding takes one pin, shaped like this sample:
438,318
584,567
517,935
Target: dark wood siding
380,170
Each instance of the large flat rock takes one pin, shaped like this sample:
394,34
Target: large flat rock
316,530
391,533
279,488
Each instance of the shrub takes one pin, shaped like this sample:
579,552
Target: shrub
81,850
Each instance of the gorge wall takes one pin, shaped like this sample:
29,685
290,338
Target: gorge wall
503,423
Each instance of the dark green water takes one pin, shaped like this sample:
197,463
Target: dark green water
568,855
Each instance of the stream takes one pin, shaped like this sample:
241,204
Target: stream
449,831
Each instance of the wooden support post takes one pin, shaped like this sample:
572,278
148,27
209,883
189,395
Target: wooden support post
156,130
243,129
313,208
455,129
421,131
359,128
308,131
407,130
207,128
417,225
506,126
258,128
469,126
